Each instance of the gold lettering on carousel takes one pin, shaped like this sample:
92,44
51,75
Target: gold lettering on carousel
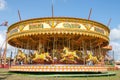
99,30
35,26
13,31
68,25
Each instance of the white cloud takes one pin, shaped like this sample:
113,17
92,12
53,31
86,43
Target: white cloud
3,4
2,42
115,41
2,39
2,36
116,49
115,34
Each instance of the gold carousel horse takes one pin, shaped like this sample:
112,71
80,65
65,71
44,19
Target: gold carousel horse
36,58
20,57
81,57
29,58
92,58
41,58
68,56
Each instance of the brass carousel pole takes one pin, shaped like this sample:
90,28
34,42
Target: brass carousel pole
23,47
28,47
53,49
83,45
56,44
90,46
39,46
69,44
48,46
63,42
43,46
99,50
72,44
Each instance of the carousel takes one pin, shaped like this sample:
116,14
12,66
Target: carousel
58,44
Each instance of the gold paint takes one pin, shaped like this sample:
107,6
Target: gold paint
21,27
58,31
53,24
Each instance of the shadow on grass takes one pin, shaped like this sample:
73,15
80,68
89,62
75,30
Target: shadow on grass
66,74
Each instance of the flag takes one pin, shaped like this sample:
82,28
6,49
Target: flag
4,24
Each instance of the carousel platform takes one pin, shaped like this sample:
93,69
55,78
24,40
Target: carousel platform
57,68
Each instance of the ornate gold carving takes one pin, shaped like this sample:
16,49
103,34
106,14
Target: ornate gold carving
58,20
21,27
53,22
88,26
58,31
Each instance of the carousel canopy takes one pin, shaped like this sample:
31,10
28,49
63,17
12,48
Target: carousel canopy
31,33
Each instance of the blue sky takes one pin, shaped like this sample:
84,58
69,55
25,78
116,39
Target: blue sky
102,11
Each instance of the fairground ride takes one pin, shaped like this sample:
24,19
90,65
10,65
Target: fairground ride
58,44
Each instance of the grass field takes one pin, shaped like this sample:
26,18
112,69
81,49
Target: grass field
5,75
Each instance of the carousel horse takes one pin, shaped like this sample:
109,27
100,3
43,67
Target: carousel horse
101,60
81,57
41,58
108,59
29,58
92,59
20,57
36,57
48,57
68,56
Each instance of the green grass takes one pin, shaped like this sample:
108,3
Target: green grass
64,77
38,76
